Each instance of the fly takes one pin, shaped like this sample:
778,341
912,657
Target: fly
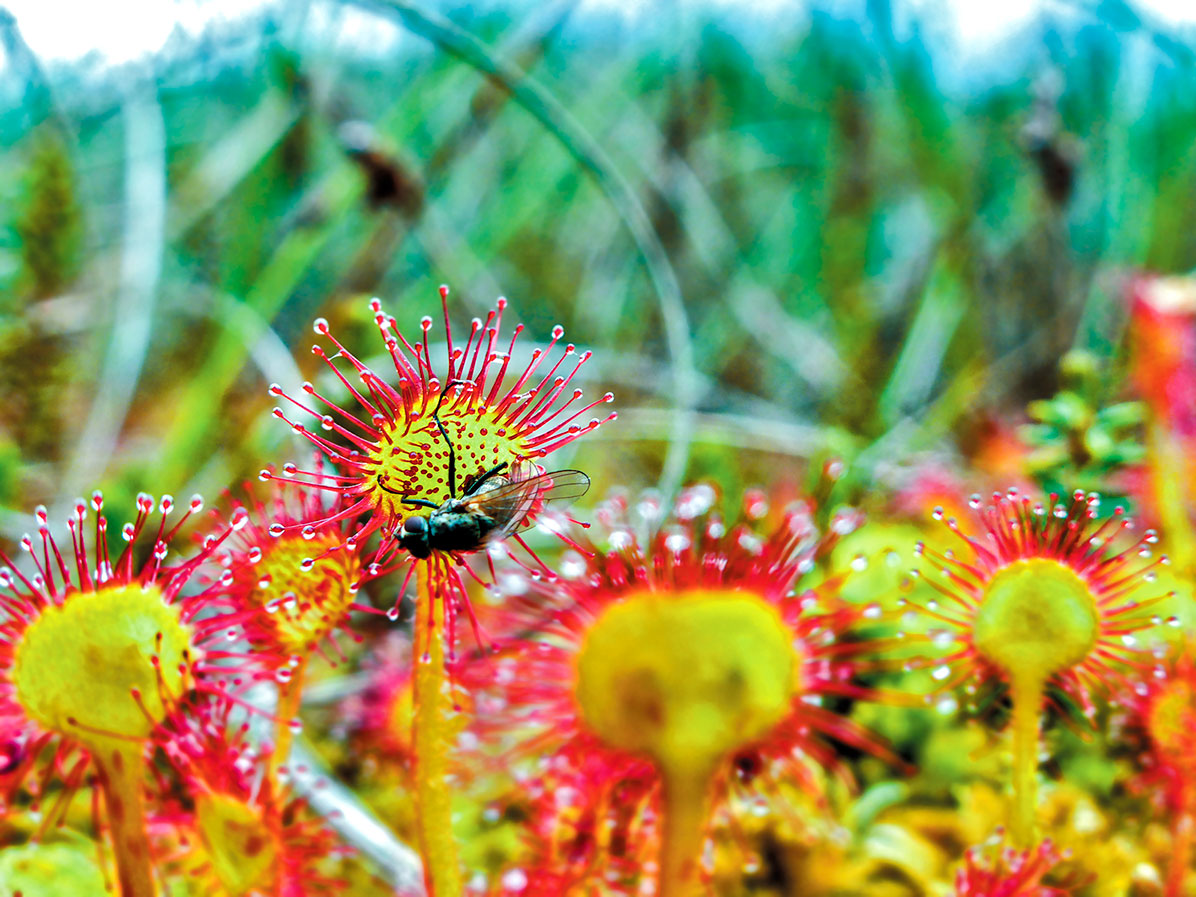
493,506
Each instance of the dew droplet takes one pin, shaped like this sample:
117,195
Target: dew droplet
514,880
621,539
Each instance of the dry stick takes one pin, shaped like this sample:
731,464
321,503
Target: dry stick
432,736
120,768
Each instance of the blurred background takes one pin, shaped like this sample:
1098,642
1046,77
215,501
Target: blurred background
790,232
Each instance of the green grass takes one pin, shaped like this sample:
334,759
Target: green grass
827,227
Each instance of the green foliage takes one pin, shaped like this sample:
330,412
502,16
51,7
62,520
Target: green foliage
863,245
49,218
1079,439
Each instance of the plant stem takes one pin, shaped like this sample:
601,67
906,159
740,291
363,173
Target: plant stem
1181,853
433,737
1027,690
290,694
686,806
120,768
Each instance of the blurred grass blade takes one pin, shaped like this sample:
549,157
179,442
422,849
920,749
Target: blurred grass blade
546,109
228,163
920,360
142,247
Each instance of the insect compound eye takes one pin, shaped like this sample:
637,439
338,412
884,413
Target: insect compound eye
414,526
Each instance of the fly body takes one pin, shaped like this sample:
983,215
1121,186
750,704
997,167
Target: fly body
493,506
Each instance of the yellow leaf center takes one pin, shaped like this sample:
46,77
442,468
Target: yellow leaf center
1036,618
688,677
242,849
83,660
413,461
304,605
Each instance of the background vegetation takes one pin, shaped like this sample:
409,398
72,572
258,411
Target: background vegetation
784,238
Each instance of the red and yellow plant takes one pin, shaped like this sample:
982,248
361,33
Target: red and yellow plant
95,652
1159,711
233,830
995,870
670,672
426,436
290,604
1042,601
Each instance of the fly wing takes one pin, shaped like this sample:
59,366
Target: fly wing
513,506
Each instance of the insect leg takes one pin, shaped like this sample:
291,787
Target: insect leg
388,489
452,471
414,502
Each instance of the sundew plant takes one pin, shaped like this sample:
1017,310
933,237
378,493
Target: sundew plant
556,450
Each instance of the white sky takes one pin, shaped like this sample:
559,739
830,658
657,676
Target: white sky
121,30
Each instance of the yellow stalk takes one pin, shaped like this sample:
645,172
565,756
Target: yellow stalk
290,695
432,736
686,807
120,767
1027,690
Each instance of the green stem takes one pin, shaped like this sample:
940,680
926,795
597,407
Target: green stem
290,696
1027,691
686,808
432,736
120,768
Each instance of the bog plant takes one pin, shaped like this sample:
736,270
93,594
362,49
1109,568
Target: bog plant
675,670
